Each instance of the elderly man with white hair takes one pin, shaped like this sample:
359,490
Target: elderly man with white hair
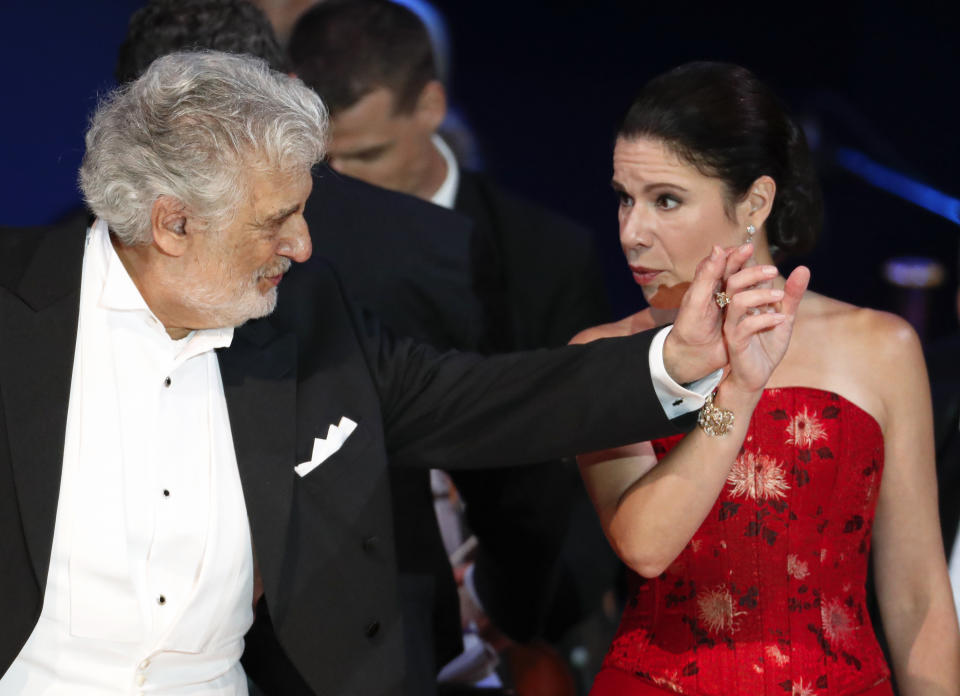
168,451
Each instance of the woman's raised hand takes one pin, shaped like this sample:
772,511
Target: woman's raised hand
695,347
758,324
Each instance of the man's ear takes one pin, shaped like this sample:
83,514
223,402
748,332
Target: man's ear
431,106
168,226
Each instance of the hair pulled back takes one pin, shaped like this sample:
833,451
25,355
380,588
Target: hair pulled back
721,119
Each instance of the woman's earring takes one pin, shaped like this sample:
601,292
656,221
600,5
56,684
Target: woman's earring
751,230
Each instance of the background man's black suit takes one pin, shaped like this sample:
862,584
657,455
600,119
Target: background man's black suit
544,269
542,283
407,260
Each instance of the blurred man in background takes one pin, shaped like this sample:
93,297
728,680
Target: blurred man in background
373,63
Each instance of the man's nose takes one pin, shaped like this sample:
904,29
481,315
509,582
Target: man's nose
297,246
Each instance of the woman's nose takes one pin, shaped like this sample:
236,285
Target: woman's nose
635,229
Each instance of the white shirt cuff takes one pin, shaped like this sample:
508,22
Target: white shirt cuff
677,400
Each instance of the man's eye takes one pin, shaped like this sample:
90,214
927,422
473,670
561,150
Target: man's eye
624,200
370,155
667,202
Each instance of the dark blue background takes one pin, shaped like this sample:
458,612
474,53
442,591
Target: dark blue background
544,84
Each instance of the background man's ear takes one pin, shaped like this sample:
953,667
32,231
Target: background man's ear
168,225
431,106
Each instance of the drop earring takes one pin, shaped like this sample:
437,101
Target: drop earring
751,230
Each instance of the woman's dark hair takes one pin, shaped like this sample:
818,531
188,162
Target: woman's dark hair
721,119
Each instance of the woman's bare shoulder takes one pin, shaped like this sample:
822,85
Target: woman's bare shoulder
873,358
863,354
624,327
867,332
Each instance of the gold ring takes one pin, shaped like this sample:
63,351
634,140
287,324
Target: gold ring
721,298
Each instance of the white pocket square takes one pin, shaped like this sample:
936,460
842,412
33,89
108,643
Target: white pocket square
324,447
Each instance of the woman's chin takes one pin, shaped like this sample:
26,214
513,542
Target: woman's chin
667,296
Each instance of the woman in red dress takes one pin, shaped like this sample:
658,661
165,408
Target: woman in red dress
749,550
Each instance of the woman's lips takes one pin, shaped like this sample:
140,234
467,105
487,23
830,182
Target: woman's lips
643,276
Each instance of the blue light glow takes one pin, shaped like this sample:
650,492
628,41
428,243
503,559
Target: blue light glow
899,184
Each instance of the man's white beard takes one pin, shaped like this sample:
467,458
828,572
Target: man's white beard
224,306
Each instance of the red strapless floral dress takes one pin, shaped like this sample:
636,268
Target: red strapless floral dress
768,597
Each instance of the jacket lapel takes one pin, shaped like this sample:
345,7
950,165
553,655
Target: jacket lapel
260,383
39,332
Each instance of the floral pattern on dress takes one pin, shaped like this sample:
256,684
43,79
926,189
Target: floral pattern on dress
669,682
805,429
717,611
838,622
775,655
797,569
758,477
768,597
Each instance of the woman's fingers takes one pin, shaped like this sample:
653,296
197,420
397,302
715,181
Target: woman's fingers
755,277
748,277
794,288
756,335
736,257
745,318
752,324
708,275
750,301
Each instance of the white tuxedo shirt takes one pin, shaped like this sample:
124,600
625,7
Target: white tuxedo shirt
151,574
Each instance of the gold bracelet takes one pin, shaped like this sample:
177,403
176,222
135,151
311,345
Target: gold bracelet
714,420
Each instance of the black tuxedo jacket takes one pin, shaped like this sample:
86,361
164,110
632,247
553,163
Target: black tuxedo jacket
324,542
419,267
